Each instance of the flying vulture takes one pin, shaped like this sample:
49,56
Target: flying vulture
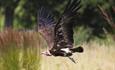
59,33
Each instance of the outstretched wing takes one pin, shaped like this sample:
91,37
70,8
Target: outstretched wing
64,27
46,23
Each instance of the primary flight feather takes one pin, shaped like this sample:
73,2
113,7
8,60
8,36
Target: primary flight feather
59,34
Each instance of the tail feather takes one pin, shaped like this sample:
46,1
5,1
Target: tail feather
77,49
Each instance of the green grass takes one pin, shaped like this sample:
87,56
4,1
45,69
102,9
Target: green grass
22,51
94,57
10,59
19,50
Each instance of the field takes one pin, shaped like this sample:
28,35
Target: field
21,51
95,57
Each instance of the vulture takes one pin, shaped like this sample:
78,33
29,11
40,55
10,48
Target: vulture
59,33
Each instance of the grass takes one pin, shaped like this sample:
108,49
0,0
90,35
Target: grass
20,50
95,57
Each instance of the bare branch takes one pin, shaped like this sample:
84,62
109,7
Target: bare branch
107,17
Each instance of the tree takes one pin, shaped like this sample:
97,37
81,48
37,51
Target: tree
9,8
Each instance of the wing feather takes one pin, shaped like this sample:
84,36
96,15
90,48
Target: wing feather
64,27
46,24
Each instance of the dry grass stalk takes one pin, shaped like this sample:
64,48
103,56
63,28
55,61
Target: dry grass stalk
19,50
19,38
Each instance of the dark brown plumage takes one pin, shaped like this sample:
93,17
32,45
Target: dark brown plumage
59,35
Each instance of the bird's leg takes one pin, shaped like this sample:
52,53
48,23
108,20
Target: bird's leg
72,59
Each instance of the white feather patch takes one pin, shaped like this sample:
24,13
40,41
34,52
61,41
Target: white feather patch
67,50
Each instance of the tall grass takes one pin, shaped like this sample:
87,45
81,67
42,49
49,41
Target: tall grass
19,50
83,34
95,57
99,54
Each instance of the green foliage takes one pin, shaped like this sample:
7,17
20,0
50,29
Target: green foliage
6,3
84,35
25,13
1,21
81,35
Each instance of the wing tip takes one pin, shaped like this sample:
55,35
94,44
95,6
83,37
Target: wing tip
45,17
72,6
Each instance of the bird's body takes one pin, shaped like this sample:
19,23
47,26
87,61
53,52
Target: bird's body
61,52
59,35
66,51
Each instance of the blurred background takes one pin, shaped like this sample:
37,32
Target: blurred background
98,16
21,45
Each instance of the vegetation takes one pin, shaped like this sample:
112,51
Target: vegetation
20,44
94,14
95,57
19,50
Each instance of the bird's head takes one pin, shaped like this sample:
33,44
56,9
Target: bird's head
47,53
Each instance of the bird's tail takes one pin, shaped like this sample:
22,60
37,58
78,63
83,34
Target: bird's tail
77,49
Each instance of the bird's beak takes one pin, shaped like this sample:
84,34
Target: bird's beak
46,53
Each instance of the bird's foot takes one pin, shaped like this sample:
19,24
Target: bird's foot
72,59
